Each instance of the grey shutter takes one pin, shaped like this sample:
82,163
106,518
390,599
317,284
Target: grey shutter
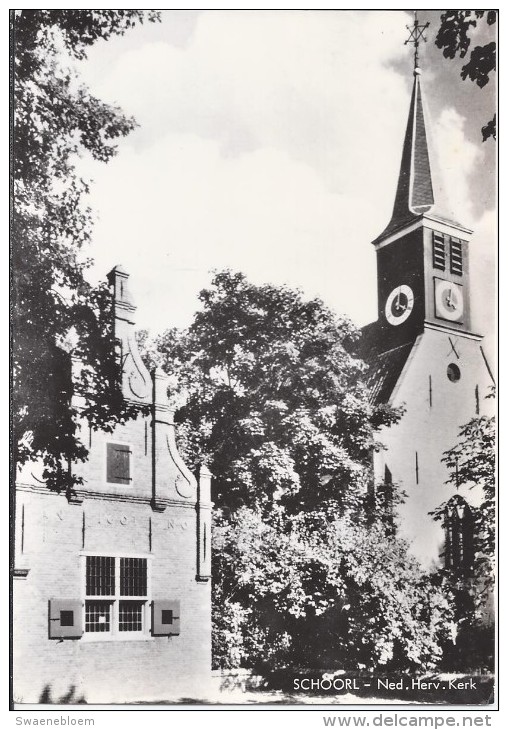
65,618
118,464
166,618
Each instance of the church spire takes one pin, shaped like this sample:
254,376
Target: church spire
415,194
415,191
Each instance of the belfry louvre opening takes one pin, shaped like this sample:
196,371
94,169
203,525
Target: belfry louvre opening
456,256
100,576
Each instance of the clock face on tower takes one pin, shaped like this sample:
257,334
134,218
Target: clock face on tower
449,300
399,304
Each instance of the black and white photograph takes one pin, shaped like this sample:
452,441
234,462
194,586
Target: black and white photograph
253,269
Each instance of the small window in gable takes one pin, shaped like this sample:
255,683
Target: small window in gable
118,464
438,251
456,256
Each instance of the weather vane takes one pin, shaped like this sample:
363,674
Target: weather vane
415,35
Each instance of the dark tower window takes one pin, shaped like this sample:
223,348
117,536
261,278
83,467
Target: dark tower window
453,372
438,251
456,256
459,541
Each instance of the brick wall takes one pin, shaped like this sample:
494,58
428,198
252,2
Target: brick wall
116,670
161,514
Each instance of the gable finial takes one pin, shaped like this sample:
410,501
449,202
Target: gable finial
415,36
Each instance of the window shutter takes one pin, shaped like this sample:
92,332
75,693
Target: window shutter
118,464
166,618
65,619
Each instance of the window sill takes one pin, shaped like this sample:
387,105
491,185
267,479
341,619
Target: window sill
115,638
20,573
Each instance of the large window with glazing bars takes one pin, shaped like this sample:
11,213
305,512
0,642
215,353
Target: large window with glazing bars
116,599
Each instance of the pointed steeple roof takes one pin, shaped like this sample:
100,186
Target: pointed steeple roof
415,192
420,189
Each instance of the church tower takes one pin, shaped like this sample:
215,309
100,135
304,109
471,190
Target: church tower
421,351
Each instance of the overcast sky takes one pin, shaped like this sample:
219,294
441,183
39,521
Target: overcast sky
269,142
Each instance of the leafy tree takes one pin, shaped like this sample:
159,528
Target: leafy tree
56,119
271,398
472,465
310,591
454,37
275,401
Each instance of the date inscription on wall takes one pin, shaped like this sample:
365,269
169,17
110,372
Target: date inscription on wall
104,519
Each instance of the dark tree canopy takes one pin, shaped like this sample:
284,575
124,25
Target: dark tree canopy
274,401
318,591
56,119
454,38
472,465
276,404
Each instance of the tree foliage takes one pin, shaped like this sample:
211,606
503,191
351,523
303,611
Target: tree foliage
56,119
315,591
454,37
274,402
472,465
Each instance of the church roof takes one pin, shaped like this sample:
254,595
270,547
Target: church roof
417,192
384,368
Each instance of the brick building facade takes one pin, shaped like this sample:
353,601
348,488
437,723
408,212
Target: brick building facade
112,585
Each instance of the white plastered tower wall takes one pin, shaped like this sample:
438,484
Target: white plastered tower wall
159,516
435,408
422,351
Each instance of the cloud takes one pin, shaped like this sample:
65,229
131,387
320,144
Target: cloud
457,158
187,210
270,143
483,267
302,82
